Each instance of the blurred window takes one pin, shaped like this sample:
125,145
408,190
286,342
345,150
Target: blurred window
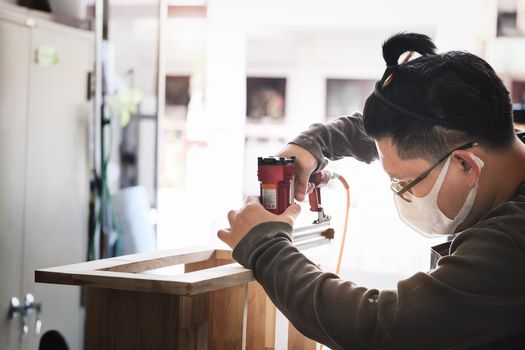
265,97
345,96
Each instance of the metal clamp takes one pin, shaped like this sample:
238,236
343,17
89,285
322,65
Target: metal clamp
311,236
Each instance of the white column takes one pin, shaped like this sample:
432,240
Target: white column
305,88
225,107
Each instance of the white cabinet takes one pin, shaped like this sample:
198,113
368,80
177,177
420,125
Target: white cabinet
44,187
13,117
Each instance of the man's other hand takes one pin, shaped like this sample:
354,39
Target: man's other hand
251,215
305,164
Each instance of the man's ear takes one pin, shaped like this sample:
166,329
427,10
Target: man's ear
470,166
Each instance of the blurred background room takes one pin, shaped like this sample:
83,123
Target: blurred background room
129,126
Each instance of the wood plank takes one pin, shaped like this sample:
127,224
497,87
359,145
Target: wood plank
193,322
269,327
160,262
219,258
261,319
118,320
178,256
191,283
221,254
226,319
127,273
226,305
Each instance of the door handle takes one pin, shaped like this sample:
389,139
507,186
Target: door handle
30,305
16,310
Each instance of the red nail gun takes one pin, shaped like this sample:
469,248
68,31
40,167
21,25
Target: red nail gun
277,175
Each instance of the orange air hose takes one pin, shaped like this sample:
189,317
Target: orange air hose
345,228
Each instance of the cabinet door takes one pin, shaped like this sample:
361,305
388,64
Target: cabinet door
57,174
14,73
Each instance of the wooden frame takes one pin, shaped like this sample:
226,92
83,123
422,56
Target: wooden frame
137,302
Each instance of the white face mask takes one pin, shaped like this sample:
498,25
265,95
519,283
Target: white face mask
423,214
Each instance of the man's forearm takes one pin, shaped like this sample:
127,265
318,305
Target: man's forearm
341,137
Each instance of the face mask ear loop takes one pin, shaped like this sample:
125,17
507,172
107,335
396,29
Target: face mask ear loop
441,178
478,160
469,201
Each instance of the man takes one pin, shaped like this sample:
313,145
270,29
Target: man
441,125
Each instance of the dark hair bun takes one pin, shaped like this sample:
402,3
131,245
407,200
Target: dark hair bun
400,43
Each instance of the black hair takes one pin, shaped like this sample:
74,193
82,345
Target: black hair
431,104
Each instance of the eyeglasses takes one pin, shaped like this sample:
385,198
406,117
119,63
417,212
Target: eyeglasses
402,188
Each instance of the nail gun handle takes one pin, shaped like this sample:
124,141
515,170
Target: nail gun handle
315,199
319,179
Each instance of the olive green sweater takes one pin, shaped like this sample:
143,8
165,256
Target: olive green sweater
475,295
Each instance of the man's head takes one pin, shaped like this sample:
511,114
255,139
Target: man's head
436,119
435,102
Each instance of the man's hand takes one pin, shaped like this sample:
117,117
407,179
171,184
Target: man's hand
251,215
305,164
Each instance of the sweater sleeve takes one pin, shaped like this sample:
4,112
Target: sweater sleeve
342,137
474,296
